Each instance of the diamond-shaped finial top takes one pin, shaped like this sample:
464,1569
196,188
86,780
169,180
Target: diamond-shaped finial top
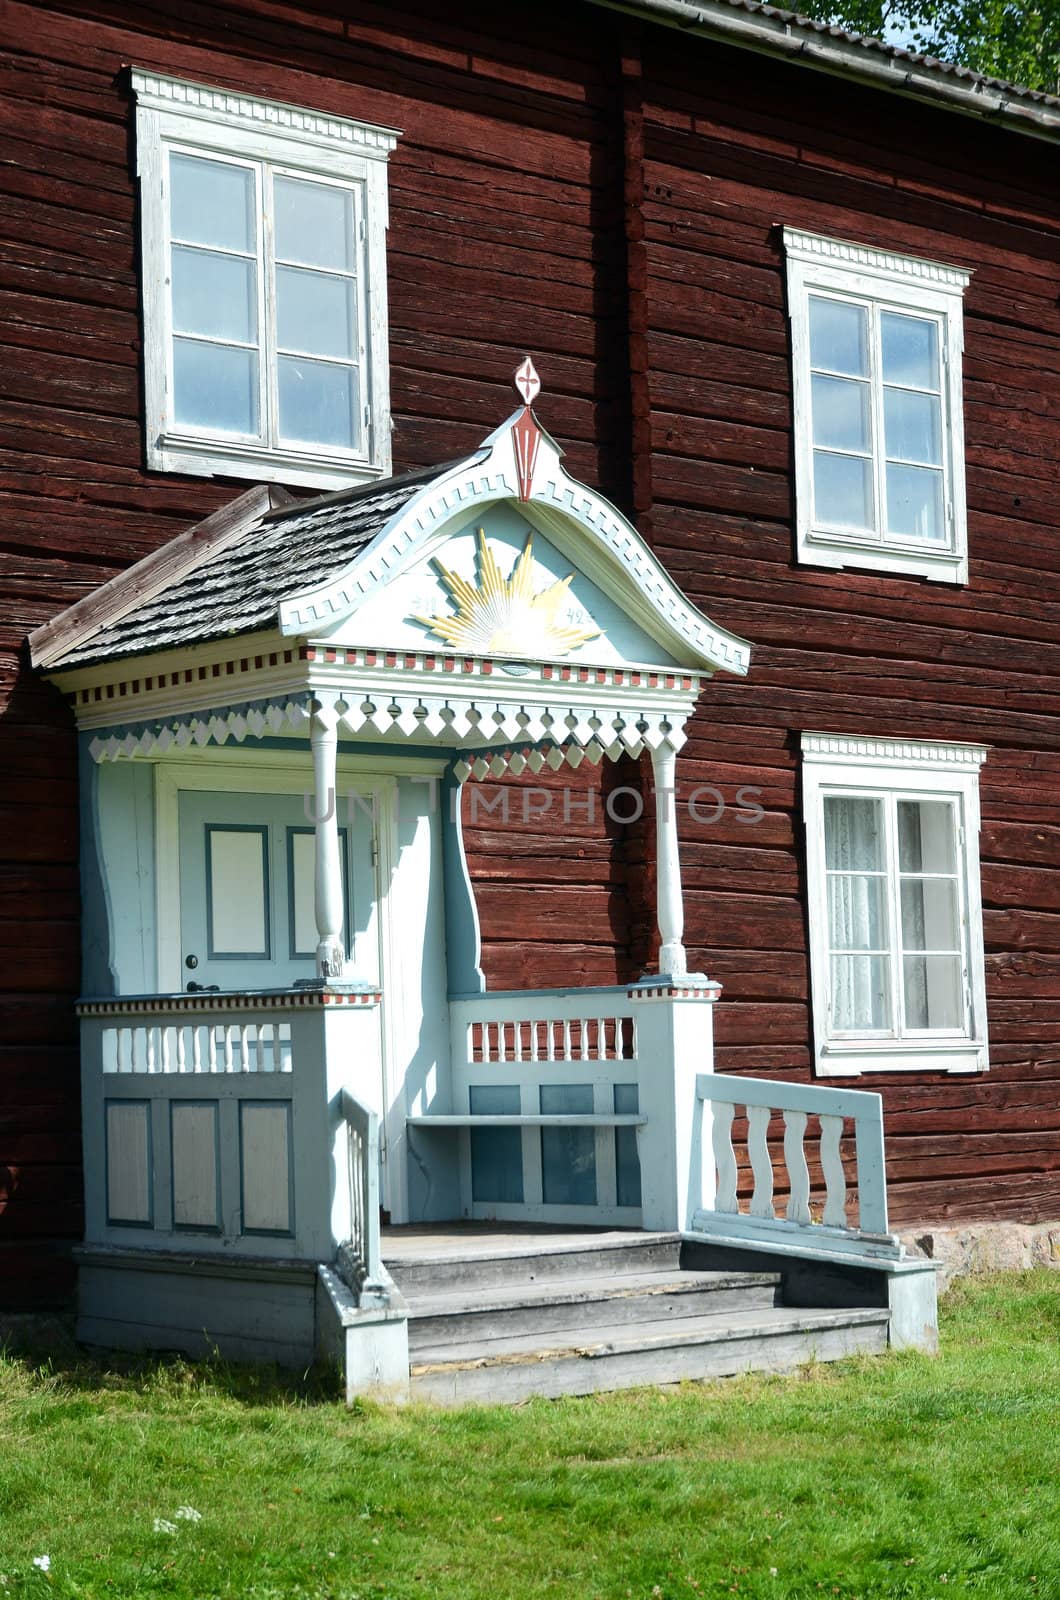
527,382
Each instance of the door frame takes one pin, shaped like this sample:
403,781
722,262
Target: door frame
290,772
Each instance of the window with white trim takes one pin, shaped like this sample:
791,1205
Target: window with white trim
896,935
877,341
264,287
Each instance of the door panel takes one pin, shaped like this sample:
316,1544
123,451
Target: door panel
246,890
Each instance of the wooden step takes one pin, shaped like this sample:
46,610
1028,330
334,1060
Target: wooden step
451,1264
619,1356
584,1303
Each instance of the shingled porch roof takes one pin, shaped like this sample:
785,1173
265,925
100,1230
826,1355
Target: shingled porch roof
228,575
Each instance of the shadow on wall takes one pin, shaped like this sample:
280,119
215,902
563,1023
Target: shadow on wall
40,1137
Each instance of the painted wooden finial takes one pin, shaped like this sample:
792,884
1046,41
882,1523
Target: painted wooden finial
527,382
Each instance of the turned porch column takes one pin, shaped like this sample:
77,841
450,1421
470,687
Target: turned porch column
671,911
327,879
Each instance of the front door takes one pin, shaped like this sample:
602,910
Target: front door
246,889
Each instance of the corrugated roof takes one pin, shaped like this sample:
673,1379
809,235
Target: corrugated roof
239,590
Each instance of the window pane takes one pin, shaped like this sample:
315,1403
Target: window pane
929,914
860,994
853,833
933,992
568,1155
841,414
857,919
912,426
318,402
910,350
315,313
926,841
914,503
314,224
496,1153
215,386
212,202
839,337
215,295
842,488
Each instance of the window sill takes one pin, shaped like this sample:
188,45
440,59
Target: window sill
821,550
843,1060
214,459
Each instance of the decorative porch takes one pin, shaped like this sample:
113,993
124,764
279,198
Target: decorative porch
287,1026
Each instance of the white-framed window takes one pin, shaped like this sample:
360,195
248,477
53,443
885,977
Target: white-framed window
263,233
895,915
876,343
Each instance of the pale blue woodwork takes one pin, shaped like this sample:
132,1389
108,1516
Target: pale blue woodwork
496,1153
117,876
568,1155
206,816
390,614
462,936
627,1161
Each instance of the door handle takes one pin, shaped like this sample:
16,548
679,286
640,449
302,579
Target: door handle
203,988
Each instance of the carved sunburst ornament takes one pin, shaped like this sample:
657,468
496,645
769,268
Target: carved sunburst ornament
504,616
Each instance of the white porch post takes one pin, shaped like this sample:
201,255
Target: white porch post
671,911
327,881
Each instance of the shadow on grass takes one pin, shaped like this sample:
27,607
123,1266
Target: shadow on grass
46,1347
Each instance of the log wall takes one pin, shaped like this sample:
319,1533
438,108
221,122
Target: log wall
608,197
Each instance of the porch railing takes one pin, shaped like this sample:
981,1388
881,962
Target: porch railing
196,1047
364,1259
805,1175
543,1083
850,1194
212,1122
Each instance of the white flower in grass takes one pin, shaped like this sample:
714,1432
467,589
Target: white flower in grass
43,1562
162,1526
188,1514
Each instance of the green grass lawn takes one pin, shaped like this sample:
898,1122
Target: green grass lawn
900,1476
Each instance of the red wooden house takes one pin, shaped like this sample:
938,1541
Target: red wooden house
793,296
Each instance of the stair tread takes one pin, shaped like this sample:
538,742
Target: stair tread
624,1338
581,1290
509,1247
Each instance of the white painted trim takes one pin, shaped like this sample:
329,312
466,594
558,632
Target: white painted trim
878,278
816,247
623,564
235,109
892,769
909,754
171,113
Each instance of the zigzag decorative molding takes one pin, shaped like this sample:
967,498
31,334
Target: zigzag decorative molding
815,248
572,733
200,100
834,747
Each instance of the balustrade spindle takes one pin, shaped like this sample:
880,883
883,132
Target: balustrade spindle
724,1156
835,1178
758,1118
795,1161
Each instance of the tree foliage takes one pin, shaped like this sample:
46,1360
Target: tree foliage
1001,38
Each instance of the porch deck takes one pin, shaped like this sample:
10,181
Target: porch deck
434,1241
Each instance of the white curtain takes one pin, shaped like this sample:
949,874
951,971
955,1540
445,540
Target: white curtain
857,915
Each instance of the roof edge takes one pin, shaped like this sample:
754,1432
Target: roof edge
874,62
149,576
